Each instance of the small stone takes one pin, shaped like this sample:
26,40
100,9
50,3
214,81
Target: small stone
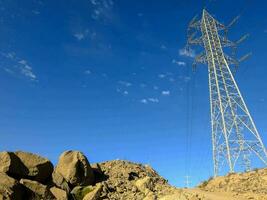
59,193
95,194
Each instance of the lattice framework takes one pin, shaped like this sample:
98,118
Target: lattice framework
234,134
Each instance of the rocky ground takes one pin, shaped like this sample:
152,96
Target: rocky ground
28,176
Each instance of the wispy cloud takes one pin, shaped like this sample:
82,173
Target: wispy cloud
180,63
125,83
153,100
165,92
36,12
265,31
12,64
125,92
144,101
163,47
88,72
171,79
162,75
81,35
140,14
187,78
149,100
187,52
142,85
102,9
26,70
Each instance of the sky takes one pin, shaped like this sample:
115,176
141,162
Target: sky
111,78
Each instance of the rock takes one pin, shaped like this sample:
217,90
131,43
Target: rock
39,169
59,193
95,194
37,190
150,196
59,181
12,165
145,184
74,167
10,188
98,173
26,165
79,192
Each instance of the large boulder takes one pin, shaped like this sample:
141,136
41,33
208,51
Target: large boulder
74,168
12,165
39,169
10,188
36,190
26,165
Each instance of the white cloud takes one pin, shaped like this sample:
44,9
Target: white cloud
187,78
36,12
155,87
102,9
88,72
180,63
188,53
27,71
14,65
23,62
11,55
165,92
171,79
125,92
9,71
163,47
144,101
125,83
104,75
142,85
162,75
94,2
153,100
79,36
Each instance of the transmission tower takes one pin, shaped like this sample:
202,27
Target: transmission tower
235,138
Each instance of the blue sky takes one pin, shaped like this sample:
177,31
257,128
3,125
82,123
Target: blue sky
110,78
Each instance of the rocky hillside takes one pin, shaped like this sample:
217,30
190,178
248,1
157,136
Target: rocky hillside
29,176
251,185
26,176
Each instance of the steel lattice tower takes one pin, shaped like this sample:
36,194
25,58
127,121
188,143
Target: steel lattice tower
234,135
